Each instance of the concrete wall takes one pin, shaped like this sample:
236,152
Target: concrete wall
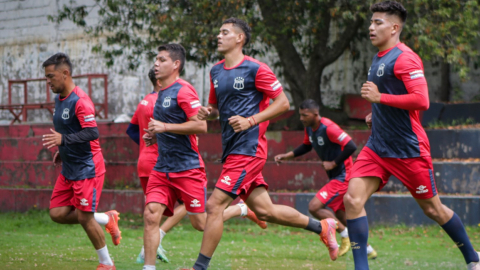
27,39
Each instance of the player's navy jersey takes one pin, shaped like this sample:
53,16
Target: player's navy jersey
243,90
397,133
176,103
328,140
72,114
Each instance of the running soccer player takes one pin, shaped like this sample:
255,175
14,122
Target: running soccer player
241,88
179,171
78,187
334,147
398,145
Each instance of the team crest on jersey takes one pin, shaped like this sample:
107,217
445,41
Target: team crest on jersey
144,102
381,70
238,83
66,114
166,102
195,203
320,140
215,84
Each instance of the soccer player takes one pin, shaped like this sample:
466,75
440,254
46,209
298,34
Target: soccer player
241,88
334,147
78,187
398,145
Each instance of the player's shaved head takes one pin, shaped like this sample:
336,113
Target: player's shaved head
242,26
59,60
310,104
176,52
391,8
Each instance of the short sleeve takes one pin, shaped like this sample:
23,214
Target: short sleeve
212,98
85,112
306,139
187,99
409,69
337,135
135,117
267,83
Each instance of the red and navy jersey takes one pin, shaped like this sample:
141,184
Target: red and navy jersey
244,90
72,114
328,140
176,103
148,155
397,133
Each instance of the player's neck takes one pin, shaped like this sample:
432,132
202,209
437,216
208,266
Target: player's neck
388,45
69,86
234,58
169,80
317,123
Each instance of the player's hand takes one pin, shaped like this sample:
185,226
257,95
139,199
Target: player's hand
329,165
281,157
148,138
57,160
368,120
204,112
239,123
155,126
370,92
51,140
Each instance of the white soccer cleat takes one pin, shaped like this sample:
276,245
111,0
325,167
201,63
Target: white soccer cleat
474,265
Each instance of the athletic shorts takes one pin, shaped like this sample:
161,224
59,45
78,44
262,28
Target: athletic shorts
241,175
81,194
415,173
144,182
332,193
188,186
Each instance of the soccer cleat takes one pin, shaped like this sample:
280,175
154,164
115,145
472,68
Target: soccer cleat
344,247
373,255
251,215
329,226
112,226
141,258
106,267
474,265
161,254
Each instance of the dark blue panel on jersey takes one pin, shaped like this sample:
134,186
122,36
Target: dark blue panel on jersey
77,163
392,134
237,95
175,150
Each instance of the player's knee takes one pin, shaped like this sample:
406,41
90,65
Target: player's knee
213,208
313,207
431,212
150,216
55,217
199,227
352,202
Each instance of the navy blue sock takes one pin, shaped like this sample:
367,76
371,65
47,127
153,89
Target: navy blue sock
455,229
202,262
314,226
358,233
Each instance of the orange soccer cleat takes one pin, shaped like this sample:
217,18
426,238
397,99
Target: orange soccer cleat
329,225
106,267
112,226
251,215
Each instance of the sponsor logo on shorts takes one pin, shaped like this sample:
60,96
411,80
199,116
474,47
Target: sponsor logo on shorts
226,180
89,118
421,189
195,203
66,114
144,102
84,202
354,245
324,194
238,84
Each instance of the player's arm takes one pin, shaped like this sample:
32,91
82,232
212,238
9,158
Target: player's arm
337,135
193,126
133,132
304,148
211,111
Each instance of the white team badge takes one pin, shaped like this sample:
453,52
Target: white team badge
215,84
226,180
166,102
324,194
84,202
66,114
380,70
195,203
320,140
421,189
238,83
144,102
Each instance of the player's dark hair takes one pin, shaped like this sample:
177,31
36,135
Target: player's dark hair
310,104
58,59
243,26
176,51
391,8
151,76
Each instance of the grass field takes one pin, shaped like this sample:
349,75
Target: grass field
31,241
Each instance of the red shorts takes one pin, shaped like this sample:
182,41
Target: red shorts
332,193
415,173
241,175
187,186
82,194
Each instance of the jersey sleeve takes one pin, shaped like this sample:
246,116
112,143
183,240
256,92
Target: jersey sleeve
188,100
135,117
306,140
409,69
267,83
85,112
212,98
337,135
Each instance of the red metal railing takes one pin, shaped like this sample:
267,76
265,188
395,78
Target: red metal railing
18,110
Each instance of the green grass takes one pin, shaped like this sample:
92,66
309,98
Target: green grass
32,241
